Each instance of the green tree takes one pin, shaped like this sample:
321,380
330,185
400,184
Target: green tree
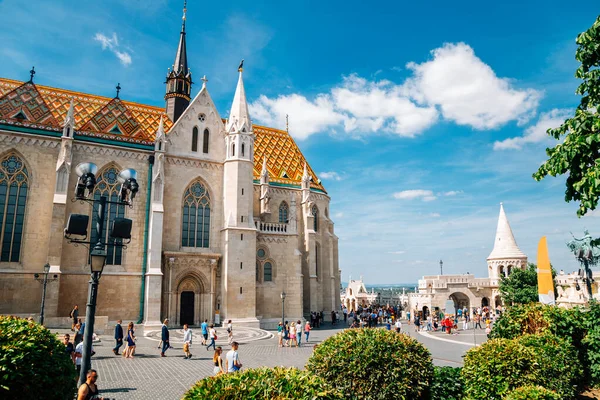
579,154
520,287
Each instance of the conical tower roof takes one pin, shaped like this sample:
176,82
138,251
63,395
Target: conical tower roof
505,245
239,116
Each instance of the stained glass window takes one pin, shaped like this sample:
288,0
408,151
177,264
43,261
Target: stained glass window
284,211
108,186
14,183
195,139
205,141
315,213
268,272
195,226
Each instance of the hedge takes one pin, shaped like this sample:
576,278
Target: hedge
532,393
447,384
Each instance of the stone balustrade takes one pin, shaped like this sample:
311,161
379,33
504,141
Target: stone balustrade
271,227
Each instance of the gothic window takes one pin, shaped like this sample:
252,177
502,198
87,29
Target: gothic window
284,212
317,258
62,180
108,186
158,189
195,227
315,213
261,254
233,150
14,182
267,272
195,139
243,149
257,271
202,117
205,138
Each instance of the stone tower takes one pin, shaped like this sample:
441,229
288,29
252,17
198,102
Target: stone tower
239,234
506,255
179,79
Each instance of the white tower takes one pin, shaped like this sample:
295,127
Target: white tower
239,234
506,255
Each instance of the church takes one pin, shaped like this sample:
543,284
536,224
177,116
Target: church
229,215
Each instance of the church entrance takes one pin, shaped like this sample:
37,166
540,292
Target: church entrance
186,315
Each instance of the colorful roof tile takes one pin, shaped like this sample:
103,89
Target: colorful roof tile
114,119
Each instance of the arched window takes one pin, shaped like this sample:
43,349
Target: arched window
233,150
267,272
205,139
195,227
315,213
284,212
243,149
14,183
195,139
107,185
61,180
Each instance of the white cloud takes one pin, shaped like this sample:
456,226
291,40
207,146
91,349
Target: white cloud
536,133
467,90
435,215
425,195
452,193
112,44
397,252
454,82
338,215
330,175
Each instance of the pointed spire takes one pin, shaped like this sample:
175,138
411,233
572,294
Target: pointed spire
505,245
306,176
69,124
181,63
159,141
264,173
239,117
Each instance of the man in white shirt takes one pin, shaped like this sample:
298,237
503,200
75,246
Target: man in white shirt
78,355
398,325
187,341
233,360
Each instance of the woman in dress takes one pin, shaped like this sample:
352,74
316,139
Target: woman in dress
294,341
218,361
130,340
230,331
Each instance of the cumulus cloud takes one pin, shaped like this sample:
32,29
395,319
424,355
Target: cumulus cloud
535,133
435,215
112,44
467,91
454,83
452,193
330,175
425,195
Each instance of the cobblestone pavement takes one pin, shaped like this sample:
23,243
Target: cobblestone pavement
148,376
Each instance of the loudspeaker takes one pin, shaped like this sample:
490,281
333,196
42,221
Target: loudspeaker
121,228
77,225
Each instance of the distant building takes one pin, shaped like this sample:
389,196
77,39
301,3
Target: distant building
465,289
356,295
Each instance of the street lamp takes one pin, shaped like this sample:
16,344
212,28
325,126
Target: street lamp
441,266
76,232
44,281
283,309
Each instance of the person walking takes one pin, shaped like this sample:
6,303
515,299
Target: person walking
306,331
345,311
74,317
398,326
164,336
280,334
118,337
233,359
477,321
69,348
229,332
128,353
79,355
286,334
204,328
299,332
218,361
187,341
78,335
212,334
293,338
89,390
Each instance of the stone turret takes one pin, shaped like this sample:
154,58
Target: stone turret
505,255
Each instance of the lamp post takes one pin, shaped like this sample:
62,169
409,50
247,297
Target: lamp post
44,281
283,309
441,267
120,229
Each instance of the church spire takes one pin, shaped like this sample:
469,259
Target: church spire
179,78
239,117
505,245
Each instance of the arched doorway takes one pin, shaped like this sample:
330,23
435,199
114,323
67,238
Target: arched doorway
186,309
461,301
425,311
485,302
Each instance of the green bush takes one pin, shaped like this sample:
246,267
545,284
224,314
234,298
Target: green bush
532,393
263,383
447,384
374,364
33,362
591,344
499,366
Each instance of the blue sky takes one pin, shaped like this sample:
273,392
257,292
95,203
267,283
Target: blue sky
420,118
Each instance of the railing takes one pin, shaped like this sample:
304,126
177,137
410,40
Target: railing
271,227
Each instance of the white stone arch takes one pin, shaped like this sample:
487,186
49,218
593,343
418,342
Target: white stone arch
473,300
194,281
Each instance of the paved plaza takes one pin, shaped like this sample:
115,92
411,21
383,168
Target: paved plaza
150,376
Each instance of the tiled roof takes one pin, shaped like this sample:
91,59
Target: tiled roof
115,119
93,114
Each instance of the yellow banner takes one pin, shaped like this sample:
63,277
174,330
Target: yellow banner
545,282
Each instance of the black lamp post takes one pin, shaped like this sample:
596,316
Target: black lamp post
441,267
44,281
283,309
77,226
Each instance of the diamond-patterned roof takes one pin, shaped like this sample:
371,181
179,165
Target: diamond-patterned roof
137,123
285,161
